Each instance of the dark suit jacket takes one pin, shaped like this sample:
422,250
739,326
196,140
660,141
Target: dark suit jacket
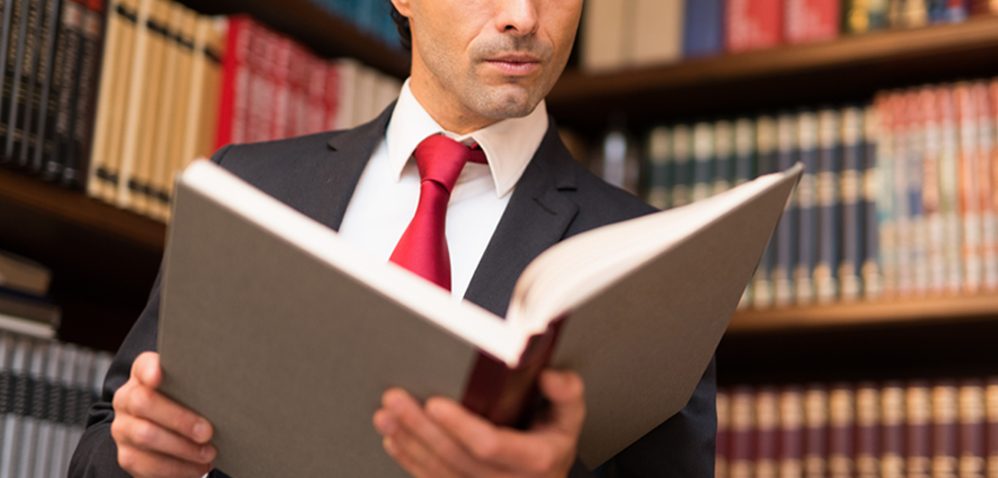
555,198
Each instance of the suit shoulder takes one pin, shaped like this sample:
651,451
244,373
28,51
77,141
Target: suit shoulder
236,157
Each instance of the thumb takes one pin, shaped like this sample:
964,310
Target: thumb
146,369
565,391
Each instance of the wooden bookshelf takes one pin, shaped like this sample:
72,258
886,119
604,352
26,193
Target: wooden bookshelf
887,312
309,23
847,69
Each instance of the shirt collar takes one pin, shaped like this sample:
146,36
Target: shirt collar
508,145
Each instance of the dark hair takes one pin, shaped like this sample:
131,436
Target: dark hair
402,24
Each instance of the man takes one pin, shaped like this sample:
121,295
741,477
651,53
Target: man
480,71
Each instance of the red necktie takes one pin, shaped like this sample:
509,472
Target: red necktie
423,247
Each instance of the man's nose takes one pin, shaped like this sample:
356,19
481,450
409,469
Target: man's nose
517,17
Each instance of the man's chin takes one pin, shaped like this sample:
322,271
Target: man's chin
508,101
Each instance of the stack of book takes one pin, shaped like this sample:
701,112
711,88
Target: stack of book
620,33
176,86
46,389
893,429
24,304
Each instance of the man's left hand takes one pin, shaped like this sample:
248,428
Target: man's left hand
443,439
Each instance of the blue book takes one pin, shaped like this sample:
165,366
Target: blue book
703,29
871,272
659,167
703,157
853,203
807,192
683,170
724,155
826,277
759,138
786,231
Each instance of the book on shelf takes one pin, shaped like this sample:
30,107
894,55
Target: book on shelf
24,275
46,389
753,25
672,279
703,28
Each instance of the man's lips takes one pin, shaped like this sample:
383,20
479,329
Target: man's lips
517,65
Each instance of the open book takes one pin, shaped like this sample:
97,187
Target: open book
284,337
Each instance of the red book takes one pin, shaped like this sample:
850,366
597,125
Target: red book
971,443
753,24
332,96
892,415
767,412
298,83
235,82
315,97
280,74
742,428
841,420
918,430
811,20
723,447
986,184
867,430
969,201
262,53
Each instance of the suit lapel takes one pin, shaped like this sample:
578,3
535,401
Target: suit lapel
351,150
536,218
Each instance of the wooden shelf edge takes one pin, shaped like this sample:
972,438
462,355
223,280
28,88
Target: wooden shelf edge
872,49
76,208
961,308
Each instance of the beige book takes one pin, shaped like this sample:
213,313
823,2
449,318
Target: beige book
346,104
240,328
196,98
122,100
109,84
657,31
215,49
140,183
178,127
168,106
604,34
136,102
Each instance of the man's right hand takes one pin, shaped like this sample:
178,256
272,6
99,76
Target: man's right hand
156,437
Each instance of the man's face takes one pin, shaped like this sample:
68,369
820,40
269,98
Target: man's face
496,58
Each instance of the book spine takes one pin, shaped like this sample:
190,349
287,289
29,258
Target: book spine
791,450
753,24
82,386
991,414
902,201
15,36
81,132
765,140
44,112
892,412
681,151
235,82
660,166
969,203
878,14
872,274
816,431
703,157
30,84
724,150
742,429
986,189
850,267
49,399
9,9
109,83
918,429
214,52
34,411
841,436
811,20
787,229
767,413
331,95
15,413
65,403
931,194
826,277
280,72
867,430
971,451
703,29
318,71
945,429
70,42
162,131
915,176
507,396
887,225
807,196
856,18
723,444
140,192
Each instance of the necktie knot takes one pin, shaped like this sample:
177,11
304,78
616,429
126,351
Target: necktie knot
441,159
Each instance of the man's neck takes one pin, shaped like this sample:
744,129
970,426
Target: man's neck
443,107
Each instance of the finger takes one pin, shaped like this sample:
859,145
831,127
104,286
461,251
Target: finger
146,369
146,403
411,419
412,455
147,436
566,393
500,447
153,465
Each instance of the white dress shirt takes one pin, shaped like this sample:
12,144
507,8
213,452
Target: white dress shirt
386,196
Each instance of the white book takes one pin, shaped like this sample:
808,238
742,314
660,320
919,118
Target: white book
43,454
60,455
13,428
233,323
32,419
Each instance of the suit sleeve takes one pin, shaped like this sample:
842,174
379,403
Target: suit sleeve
682,447
96,455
